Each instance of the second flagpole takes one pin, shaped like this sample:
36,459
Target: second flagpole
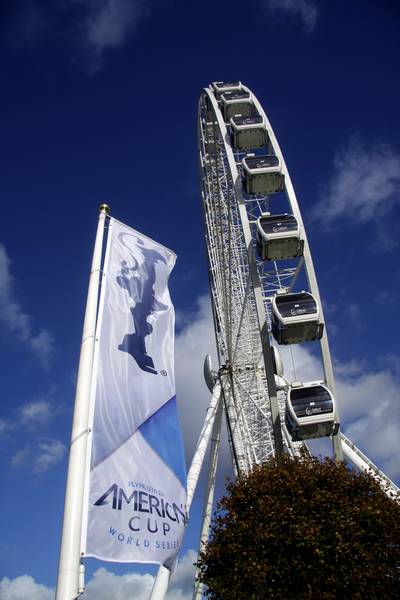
68,569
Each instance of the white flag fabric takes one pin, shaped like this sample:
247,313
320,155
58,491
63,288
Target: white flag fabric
135,493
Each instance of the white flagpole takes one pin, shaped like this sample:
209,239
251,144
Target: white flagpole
68,568
209,497
161,582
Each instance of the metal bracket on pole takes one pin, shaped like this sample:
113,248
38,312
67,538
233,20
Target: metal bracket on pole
161,582
81,579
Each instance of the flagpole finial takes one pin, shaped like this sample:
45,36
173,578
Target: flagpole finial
104,208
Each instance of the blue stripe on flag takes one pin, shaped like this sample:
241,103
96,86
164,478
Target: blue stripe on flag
162,432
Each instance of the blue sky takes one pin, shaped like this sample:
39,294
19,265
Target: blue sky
98,104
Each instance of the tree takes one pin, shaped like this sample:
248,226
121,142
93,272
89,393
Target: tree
303,528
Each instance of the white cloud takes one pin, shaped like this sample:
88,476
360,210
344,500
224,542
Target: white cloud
106,585
94,26
355,315
300,364
5,426
193,342
47,453
20,457
37,412
370,411
182,580
31,415
365,185
108,22
24,587
16,321
305,9
11,313
42,345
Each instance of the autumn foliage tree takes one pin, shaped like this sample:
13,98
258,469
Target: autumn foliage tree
303,529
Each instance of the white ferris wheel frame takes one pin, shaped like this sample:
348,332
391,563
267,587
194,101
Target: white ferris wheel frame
255,281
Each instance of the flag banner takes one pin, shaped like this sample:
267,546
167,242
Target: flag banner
135,492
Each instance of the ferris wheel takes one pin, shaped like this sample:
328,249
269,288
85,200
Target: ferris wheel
265,303
264,289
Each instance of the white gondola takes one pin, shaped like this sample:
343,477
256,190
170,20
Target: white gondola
295,318
262,174
248,132
220,87
278,237
310,411
236,103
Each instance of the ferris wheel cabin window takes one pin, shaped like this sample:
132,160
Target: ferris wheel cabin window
308,401
293,305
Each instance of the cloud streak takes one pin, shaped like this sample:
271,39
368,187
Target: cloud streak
364,187
306,10
91,27
108,23
47,453
192,343
5,426
42,453
18,323
38,412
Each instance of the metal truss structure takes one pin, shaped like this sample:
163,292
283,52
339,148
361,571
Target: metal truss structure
242,287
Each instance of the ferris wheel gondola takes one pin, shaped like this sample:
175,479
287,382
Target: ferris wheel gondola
248,132
295,318
310,411
263,174
278,237
236,102
220,87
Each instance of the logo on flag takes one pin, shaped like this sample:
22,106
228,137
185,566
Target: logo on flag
135,492
138,280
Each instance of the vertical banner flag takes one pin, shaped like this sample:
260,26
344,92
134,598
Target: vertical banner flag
135,491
